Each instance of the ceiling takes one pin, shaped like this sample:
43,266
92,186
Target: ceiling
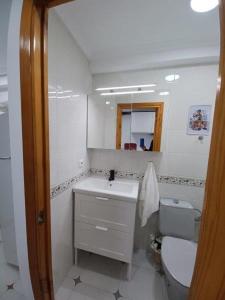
119,35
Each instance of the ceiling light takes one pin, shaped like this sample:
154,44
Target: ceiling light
107,102
75,96
63,97
172,77
164,93
203,5
126,87
127,93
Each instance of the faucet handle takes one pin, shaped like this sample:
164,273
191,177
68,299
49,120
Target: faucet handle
111,175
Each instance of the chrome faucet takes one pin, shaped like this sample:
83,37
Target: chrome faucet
111,175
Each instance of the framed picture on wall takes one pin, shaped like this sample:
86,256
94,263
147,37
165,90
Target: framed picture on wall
199,119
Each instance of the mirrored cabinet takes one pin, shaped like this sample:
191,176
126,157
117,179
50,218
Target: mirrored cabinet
124,124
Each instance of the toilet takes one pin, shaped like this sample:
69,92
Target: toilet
178,252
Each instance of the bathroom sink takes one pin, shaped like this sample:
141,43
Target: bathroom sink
118,188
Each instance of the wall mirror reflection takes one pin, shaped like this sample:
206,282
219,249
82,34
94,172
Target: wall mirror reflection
139,126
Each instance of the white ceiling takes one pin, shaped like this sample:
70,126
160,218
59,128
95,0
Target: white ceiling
118,35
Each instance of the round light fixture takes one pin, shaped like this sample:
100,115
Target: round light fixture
172,77
107,102
164,93
203,5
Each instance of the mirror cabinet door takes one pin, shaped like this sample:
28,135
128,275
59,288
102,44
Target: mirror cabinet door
117,122
103,121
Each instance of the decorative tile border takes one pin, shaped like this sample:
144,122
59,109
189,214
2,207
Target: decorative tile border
161,178
181,181
119,174
60,188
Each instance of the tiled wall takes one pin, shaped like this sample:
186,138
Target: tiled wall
68,70
135,162
181,155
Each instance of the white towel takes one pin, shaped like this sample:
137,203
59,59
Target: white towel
149,196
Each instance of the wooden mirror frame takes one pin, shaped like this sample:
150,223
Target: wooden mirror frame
209,276
157,106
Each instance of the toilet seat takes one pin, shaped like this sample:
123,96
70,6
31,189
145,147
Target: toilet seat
179,256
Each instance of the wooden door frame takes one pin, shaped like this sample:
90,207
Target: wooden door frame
35,127
209,276
158,106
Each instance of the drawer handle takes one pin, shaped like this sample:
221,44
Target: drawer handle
101,228
102,198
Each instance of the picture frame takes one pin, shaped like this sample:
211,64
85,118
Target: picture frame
199,120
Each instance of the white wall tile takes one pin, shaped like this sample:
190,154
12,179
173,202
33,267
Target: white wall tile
179,142
68,70
182,154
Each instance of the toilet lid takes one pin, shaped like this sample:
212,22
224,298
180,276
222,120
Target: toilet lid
179,255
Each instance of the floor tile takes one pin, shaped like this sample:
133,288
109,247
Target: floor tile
93,292
78,296
63,294
145,285
142,259
8,274
2,256
12,295
18,287
74,271
100,281
10,284
101,278
68,283
164,289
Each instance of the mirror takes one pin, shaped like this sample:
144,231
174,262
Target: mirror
117,123
178,88
139,126
102,122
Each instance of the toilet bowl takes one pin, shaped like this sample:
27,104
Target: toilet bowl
178,259
178,252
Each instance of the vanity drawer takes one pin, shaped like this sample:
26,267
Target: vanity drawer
112,213
104,241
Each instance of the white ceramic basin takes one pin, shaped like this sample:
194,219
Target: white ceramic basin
118,188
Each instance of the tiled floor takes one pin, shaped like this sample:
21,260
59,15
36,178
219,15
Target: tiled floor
100,278
10,285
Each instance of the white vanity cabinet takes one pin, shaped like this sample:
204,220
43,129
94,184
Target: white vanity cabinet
104,225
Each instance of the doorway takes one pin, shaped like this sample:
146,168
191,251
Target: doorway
36,156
